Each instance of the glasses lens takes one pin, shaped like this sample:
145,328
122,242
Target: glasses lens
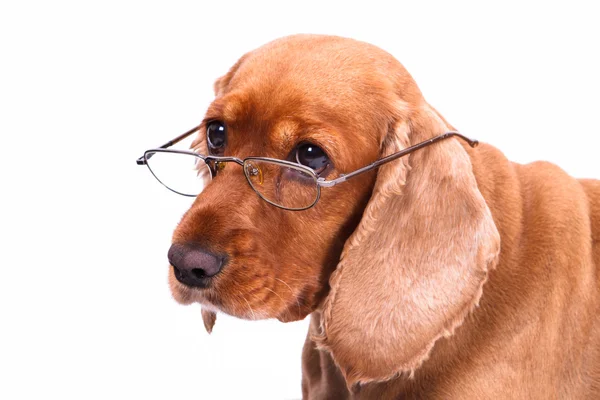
182,173
281,184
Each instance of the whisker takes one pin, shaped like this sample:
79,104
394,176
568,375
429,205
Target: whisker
293,295
281,298
250,307
276,294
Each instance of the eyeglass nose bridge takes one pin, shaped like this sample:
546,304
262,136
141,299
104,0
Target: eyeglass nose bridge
216,164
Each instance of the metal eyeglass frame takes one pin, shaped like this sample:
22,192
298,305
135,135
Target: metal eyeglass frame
214,161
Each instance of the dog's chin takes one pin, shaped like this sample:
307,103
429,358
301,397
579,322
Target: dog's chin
236,306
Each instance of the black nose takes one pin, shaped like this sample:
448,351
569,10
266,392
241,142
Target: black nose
193,265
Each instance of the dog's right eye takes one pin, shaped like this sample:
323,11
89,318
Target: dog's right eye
216,133
312,156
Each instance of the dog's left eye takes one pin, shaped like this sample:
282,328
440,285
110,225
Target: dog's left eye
216,132
312,156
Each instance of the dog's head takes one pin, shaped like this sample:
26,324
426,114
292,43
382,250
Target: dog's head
410,244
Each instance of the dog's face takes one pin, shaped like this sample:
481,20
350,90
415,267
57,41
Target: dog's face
402,254
290,101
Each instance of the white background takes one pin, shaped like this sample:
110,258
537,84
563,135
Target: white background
85,87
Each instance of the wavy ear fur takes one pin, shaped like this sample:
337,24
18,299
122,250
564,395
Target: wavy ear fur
415,266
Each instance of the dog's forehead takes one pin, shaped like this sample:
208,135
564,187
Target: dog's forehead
334,67
339,77
327,69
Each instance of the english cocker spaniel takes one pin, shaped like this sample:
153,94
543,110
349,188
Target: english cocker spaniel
431,267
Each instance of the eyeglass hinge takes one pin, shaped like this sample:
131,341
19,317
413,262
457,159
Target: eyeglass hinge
326,183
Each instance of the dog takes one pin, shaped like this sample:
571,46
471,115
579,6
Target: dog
450,273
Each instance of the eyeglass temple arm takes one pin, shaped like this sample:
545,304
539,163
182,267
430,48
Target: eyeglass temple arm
395,156
142,160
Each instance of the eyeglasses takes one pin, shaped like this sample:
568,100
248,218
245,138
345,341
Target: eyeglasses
284,184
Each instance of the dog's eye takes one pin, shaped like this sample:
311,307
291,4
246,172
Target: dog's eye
216,133
312,156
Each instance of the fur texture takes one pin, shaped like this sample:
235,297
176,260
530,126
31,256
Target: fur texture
452,273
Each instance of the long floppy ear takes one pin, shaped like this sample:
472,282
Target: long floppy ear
415,266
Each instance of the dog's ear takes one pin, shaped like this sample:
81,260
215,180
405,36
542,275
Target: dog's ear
415,266
220,85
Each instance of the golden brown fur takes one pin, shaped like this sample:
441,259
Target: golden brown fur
452,273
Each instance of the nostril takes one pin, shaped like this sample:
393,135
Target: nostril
199,273
192,265
177,272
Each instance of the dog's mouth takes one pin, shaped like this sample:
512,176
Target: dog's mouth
238,299
206,292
